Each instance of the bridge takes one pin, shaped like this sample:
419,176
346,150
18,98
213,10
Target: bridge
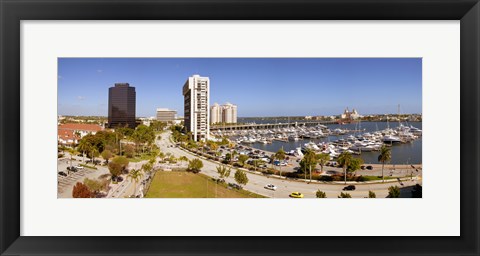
269,126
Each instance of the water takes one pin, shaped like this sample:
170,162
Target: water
408,153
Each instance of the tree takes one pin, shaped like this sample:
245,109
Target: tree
129,151
385,156
143,135
393,192
241,177
147,167
117,165
161,155
84,146
280,155
183,159
195,165
321,194
354,165
134,175
371,194
94,185
344,195
94,153
308,162
223,171
81,191
158,125
344,160
242,159
256,162
72,152
322,160
106,154
212,145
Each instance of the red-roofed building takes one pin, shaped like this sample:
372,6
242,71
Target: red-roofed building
71,133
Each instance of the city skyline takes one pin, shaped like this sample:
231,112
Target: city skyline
259,86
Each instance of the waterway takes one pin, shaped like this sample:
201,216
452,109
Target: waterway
408,153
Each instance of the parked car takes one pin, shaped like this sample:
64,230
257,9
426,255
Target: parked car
271,187
62,174
79,167
235,186
349,187
296,195
72,169
369,167
117,179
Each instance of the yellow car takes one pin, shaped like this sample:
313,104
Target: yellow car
296,195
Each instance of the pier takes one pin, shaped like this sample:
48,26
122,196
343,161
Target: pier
268,126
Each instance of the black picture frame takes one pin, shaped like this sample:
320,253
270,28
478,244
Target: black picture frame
13,11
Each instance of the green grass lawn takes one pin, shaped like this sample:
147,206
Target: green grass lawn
141,157
189,185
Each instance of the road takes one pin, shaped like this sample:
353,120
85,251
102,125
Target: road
284,187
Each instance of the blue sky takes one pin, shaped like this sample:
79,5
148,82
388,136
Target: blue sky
258,86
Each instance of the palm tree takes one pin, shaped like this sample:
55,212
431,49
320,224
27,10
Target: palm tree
84,146
231,145
161,155
134,175
183,159
323,159
385,156
72,152
280,155
344,159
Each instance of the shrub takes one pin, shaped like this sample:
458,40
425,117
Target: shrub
321,194
325,178
344,195
371,194
195,165
393,192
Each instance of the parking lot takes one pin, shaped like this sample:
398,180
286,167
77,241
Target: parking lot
65,183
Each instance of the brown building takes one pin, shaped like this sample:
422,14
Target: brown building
121,105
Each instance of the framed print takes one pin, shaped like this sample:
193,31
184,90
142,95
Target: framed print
239,127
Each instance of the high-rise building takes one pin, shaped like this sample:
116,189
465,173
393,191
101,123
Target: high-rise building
121,105
229,113
196,92
226,113
166,115
216,114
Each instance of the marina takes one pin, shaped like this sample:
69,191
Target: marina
362,138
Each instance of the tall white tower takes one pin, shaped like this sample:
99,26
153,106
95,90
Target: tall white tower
196,92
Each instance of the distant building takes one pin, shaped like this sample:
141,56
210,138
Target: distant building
121,105
166,115
196,92
350,115
226,113
215,114
71,133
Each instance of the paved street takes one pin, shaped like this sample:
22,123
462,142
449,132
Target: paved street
256,182
285,187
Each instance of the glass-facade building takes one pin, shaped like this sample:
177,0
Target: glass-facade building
121,106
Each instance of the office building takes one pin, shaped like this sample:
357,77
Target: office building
196,92
166,115
121,106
